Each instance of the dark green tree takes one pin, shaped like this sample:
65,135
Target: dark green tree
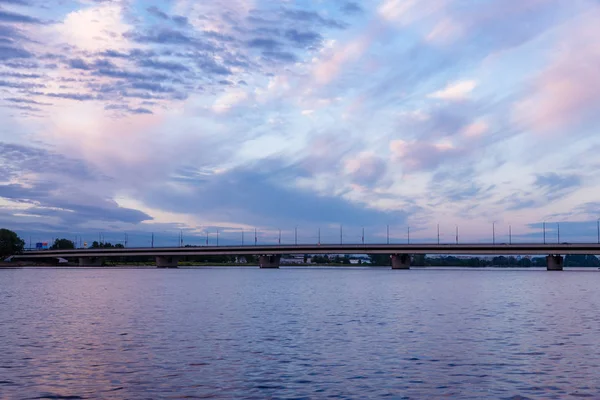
10,243
62,244
381,259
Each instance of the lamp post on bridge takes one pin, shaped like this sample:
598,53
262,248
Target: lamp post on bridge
544,228
494,233
319,236
509,234
438,233
558,232
363,235
388,234
242,236
255,237
296,235
598,228
408,235
456,234
341,235
279,239
217,238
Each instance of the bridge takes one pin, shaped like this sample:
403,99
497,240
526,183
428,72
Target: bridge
270,255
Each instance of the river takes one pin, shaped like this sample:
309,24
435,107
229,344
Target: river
299,333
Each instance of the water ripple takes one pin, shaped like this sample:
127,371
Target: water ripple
298,334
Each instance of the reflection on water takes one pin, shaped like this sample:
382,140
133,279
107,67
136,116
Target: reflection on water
301,333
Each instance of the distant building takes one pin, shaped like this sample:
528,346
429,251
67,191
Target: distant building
293,259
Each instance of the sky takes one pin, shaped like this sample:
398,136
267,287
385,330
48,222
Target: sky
192,117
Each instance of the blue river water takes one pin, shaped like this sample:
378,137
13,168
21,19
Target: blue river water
311,333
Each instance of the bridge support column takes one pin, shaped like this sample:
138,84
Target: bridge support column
91,261
554,262
267,261
167,261
401,261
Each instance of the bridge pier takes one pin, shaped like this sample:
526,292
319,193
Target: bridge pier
167,261
554,262
401,261
91,261
269,261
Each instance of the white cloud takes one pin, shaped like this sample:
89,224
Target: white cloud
95,28
408,11
455,91
475,129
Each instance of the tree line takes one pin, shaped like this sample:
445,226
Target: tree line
420,260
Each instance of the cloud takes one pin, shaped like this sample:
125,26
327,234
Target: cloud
78,63
333,59
313,17
96,28
8,16
263,43
260,197
71,96
125,108
366,169
67,209
555,185
407,12
304,39
20,85
565,93
157,13
351,8
59,188
455,91
8,52
422,156
475,129
282,56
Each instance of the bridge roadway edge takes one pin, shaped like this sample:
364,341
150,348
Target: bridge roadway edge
167,257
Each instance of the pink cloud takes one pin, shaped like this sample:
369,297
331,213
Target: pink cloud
417,156
567,92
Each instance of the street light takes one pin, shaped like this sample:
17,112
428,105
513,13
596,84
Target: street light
558,232
544,228
388,235
509,234
456,234
494,232
279,240
363,235
408,234
438,232
598,227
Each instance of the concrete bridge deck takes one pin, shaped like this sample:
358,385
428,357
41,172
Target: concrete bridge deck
270,254
463,249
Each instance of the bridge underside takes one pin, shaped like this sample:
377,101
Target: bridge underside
91,261
269,261
554,262
167,262
401,261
